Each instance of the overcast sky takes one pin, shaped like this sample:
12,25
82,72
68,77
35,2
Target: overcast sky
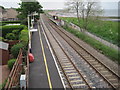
58,4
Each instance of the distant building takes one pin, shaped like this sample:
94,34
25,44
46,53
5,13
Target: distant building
8,14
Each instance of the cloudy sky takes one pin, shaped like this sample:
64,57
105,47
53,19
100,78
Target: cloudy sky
58,4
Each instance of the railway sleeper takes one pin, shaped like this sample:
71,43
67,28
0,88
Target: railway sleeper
79,80
94,63
67,63
87,57
71,71
109,77
115,81
97,65
75,77
116,84
100,69
64,66
91,60
84,54
69,68
103,72
79,85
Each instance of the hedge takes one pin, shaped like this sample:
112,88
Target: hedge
16,48
11,63
9,29
10,36
10,22
24,37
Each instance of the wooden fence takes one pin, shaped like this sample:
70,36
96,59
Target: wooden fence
13,79
27,70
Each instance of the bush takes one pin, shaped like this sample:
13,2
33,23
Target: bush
10,36
9,29
1,38
24,37
16,33
15,49
11,63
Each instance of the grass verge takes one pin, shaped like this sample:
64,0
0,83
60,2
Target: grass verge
107,51
107,30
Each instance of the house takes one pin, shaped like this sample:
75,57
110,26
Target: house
8,14
4,53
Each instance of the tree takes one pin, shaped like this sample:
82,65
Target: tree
28,8
84,9
2,7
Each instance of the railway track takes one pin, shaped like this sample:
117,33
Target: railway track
108,75
74,78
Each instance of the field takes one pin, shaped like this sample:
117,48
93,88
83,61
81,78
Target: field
107,30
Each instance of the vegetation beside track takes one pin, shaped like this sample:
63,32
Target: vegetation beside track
107,51
106,30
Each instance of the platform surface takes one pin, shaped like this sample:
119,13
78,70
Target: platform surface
38,75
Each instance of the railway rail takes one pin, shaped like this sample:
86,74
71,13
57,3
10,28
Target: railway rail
69,67
74,77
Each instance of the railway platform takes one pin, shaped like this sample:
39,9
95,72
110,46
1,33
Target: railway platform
43,71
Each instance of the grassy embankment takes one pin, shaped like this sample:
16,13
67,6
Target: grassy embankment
107,51
107,30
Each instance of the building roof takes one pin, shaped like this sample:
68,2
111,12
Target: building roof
8,13
4,45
